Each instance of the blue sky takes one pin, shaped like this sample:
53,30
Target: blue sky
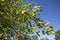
50,13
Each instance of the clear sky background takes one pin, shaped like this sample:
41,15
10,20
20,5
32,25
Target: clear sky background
50,13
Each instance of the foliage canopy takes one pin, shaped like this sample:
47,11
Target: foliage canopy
57,35
19,18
